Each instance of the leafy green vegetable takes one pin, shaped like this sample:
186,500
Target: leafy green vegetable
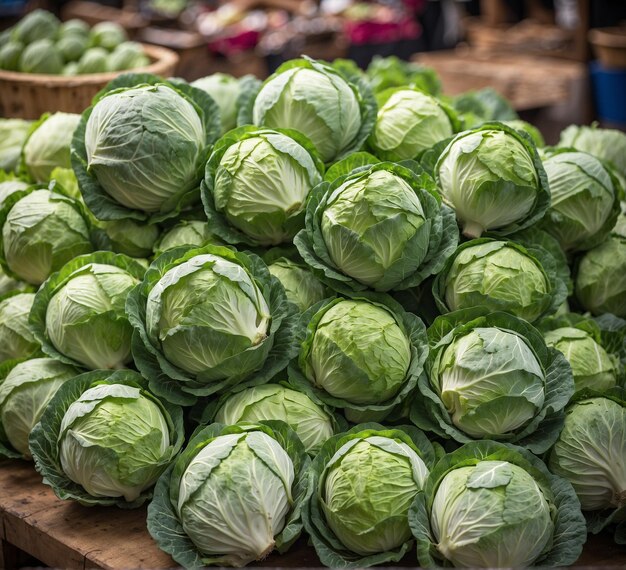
140,149
502,276
24,394
13,133
590,453
493,178
131,237
592,366
104,439
601,278
16,338
313,421
489,505
387,72
78,314
608,145
362,484
408,123
585,200
41,231
490,375
208,319
256,185
312,97
48,145
187,232
225,91
478,107
380,227
363,354
233,495
301,286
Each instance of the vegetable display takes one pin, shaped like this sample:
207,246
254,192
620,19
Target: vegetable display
333,306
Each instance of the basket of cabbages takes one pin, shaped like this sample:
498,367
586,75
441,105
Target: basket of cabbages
47,65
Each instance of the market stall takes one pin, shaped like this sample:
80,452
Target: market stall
353,313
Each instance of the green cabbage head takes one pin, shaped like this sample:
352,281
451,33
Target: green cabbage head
489,176
584,200
85,318
9,187
114,441
145,146
274,402
37,25
193,233
409,122
48,147
592,366
127,55
235,495
498,275
13,133
356,351
376,229
260,180
42,231
41,57
205,313
132,238
591,453
24,395
490,381
301,286
107,35
8,284
366,490
72,47
16,338
225,90
601,278
491,515
314,99
94,60
608,145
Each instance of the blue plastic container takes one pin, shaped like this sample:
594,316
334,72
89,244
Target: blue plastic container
609,91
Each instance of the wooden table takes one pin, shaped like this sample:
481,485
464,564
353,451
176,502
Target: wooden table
64,534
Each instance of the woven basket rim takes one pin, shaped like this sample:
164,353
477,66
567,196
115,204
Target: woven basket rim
162,58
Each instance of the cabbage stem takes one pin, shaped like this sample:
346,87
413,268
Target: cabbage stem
472,230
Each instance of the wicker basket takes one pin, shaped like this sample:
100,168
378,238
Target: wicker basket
29,95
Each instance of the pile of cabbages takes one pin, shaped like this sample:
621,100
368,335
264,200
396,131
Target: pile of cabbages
40,43
334,304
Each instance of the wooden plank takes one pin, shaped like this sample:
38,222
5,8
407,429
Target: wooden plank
22,491
68,535
28,535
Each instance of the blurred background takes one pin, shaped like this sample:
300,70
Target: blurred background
557,61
